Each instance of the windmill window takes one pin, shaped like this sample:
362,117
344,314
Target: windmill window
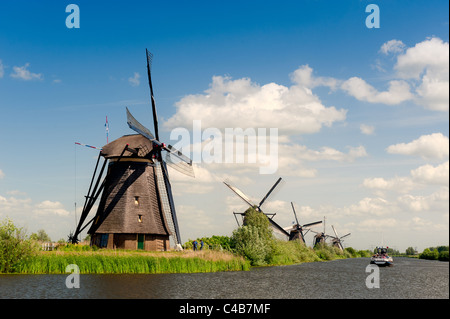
136,200
140,218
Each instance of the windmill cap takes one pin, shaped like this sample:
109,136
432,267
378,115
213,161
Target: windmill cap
133,142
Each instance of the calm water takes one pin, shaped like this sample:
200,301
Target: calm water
342,279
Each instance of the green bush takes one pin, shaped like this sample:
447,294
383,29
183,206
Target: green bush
429,254
443,255
254,240
14,247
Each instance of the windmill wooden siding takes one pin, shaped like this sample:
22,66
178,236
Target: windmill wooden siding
130,215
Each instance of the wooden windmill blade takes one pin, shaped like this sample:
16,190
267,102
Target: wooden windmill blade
295,214
278,229
269,192
239,193
168,205
179,165
138,127
149,75
172,151
312,224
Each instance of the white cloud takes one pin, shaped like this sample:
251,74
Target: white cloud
398,91
398,184
435,202
423,175
392,46
50,208
134,81
22,72
429,55
367,129
427,65
421,75
242,103
303,76
1,174
12,206
428,174
433,146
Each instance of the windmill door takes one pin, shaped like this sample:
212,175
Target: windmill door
140,244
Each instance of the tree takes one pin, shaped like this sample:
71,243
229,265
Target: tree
41,235
410,251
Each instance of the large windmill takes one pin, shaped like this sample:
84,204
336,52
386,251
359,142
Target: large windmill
296,230
136,209
278,230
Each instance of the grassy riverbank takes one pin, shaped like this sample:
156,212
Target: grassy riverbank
132,262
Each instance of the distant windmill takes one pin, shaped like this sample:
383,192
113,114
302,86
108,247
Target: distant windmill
320,237
296,230
136,209
337,241
276,228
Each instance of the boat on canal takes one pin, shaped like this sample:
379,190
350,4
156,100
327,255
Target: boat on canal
381,257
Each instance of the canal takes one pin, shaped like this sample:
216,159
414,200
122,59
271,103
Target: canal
338,279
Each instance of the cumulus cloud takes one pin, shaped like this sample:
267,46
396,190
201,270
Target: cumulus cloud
392,46
398,184
304,76
437,201
428,174
12,205
243,103
429,55
398,91
427,63
423,175
135,79
421,74
367,129
50,208
22,73
433,146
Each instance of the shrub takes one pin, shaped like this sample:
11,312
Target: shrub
429,254
250,244
15,248
443,255
254,240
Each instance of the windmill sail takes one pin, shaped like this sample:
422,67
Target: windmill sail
138,127
179,165
149,75
168,207
238,192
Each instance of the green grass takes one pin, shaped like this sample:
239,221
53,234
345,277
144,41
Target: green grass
130,263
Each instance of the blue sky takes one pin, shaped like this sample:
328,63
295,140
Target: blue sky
375,163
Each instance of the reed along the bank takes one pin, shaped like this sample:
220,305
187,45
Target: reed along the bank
123,262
